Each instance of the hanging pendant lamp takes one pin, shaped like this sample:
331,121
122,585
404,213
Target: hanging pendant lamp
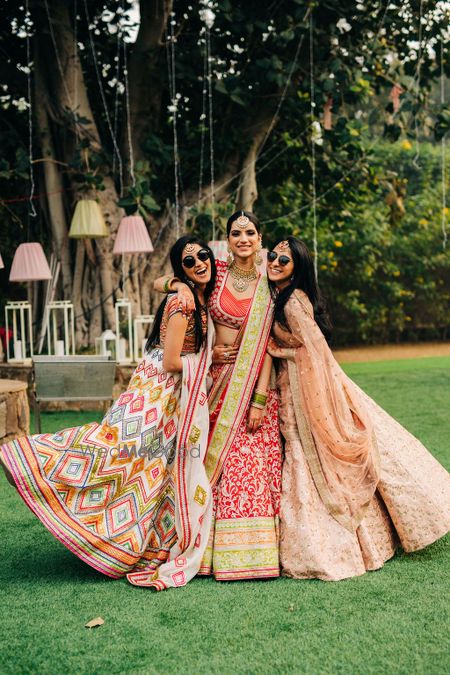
29,263
88,221
132,236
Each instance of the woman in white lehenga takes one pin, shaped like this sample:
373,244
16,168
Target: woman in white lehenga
355,483
130,496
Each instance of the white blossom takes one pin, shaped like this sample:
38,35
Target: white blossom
207,16
316,133
343,25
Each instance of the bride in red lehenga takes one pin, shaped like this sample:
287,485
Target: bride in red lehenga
243,460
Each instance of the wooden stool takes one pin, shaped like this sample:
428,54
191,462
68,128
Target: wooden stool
14,410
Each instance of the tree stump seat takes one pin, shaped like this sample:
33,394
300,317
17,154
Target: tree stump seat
14,410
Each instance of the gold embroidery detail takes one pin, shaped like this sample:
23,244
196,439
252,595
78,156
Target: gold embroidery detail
195,434
200,495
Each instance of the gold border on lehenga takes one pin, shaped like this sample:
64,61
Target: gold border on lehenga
242,383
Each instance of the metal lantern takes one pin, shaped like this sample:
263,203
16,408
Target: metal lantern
60,328
18,314
105,345
124,331
139,334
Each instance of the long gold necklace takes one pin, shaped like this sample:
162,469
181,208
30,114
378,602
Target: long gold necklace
241,278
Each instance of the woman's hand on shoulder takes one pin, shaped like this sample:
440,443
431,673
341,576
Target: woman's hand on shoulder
185,297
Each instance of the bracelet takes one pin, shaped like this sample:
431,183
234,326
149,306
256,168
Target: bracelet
256,405
166,287
259,399
259,391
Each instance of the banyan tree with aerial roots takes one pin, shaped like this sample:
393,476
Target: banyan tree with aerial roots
182,112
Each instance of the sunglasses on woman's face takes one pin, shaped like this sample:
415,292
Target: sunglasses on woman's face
283,260
189,261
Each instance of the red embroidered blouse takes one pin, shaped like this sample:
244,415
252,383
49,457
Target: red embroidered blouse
224,307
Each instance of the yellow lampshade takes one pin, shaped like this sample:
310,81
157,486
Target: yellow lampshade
88,221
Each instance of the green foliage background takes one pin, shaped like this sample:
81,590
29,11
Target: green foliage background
386,275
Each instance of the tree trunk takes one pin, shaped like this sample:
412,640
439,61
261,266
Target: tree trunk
53,181
248,186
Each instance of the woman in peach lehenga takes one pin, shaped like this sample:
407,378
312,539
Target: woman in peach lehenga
355,482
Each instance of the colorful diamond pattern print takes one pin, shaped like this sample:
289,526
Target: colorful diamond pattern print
137,404
116,415
121,515
73,468
95,497
131,427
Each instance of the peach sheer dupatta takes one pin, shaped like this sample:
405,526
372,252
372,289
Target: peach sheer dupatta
334,426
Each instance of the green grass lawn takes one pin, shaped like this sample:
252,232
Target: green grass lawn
393,620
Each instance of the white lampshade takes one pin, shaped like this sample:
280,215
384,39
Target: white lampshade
88,221
132,236
29,263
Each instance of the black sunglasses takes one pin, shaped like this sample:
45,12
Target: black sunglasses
189,261
283,260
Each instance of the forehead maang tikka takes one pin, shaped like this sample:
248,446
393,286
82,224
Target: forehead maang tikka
189,248
283,244
242,221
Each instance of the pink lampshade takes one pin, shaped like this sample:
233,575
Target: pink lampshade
29,263
132,236
219,248
2,265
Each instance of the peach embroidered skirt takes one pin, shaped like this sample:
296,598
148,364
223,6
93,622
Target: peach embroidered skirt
411,506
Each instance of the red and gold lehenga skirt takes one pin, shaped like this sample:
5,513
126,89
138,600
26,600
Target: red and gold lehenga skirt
243,542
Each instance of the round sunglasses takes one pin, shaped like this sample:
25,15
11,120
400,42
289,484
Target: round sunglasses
283,260
189,261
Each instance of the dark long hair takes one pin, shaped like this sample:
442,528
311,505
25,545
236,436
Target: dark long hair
303,278
176,254
250,216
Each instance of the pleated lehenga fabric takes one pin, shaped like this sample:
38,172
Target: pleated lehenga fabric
410,505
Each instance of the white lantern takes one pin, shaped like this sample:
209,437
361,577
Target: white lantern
140,334
19,315
124,332
105,345
60,328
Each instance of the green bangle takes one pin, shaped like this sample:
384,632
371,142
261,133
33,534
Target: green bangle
260,399
166,287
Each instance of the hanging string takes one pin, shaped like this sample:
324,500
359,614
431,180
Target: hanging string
116,93
75,58
103,97
32,211
443,163
419,63
211,127
127,103
313,144
203,121
170,52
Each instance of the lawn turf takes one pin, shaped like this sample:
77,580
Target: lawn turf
393,620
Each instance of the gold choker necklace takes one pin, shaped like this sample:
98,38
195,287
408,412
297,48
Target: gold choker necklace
242,278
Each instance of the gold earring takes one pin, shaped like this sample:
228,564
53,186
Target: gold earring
230,259
258,258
